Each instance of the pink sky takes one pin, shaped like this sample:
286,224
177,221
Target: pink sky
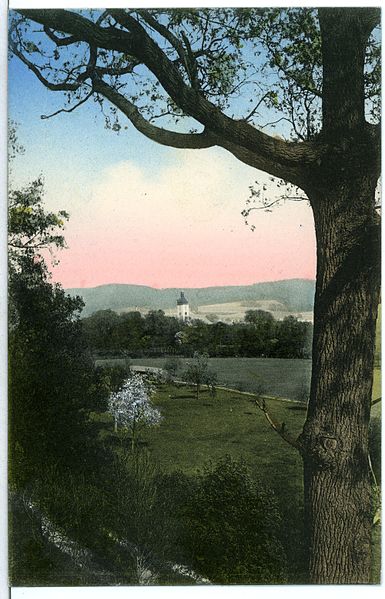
182,227
142,213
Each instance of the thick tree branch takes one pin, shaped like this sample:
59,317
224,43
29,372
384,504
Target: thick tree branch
59,41
274,155
180,140
167,34
82,29
161,136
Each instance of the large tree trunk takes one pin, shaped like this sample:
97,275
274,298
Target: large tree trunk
338,498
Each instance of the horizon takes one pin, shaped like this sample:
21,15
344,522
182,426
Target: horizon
181,288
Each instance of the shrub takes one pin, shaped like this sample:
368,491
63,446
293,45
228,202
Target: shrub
232,527
171,366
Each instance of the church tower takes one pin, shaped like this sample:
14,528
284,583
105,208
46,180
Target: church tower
183,309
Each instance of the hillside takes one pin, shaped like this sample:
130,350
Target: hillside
295,295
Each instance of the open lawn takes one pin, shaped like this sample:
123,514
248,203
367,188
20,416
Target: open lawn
277,377
193,432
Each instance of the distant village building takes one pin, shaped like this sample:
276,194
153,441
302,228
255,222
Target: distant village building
183,308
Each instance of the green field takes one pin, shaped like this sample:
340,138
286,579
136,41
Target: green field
193,432
277,377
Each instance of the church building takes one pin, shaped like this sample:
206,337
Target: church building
183,309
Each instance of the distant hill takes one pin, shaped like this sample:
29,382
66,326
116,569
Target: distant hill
295,295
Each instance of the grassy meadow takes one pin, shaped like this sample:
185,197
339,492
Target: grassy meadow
192,433
277,377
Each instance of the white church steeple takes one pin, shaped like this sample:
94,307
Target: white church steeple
183,308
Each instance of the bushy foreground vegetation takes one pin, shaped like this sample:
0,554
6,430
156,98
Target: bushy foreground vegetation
178,499
124,519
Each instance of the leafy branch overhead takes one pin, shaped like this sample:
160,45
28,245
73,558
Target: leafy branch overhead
197,78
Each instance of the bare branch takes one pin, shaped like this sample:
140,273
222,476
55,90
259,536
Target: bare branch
375,401
116,71
191,62
278,427
48,116
104,14
252,113
282,118
64,86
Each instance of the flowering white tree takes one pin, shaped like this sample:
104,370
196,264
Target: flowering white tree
132,409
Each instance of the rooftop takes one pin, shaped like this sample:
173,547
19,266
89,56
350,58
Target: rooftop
181,300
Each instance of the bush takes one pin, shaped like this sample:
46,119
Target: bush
172,365
232,527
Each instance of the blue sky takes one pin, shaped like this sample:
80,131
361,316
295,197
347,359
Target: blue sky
189,234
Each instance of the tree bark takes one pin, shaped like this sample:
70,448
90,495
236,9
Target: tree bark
338,498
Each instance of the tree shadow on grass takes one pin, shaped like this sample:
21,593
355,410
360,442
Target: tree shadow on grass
298,408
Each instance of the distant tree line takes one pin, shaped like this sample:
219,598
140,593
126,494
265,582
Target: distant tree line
156,334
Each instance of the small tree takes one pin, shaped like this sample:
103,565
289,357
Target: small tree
198,372
131,407
171,366
211,382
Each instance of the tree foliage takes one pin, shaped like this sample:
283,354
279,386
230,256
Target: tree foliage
51,380
31,229
233,527
273,57
259,335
